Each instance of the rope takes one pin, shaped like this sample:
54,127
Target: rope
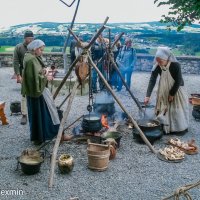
182,191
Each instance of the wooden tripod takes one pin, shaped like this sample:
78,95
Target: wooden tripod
73,93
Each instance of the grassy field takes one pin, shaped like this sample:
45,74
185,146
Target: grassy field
5,49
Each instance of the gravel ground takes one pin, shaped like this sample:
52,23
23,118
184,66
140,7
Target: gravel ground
135,173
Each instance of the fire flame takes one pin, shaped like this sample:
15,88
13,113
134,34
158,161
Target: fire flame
104,121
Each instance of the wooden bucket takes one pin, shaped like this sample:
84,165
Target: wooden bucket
98,156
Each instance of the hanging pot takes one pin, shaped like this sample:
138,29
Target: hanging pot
91,123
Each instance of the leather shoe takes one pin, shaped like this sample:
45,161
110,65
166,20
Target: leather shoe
24,120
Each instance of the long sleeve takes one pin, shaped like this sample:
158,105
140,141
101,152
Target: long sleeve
18,57
175,71
152,81
34,80
16,61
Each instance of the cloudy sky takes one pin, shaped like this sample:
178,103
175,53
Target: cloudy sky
15,12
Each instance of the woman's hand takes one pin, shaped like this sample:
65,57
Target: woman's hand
170,98
19,79
146,100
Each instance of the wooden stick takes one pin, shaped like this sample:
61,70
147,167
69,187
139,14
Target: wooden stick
55,149
123,108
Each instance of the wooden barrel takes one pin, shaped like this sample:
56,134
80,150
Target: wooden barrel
98,156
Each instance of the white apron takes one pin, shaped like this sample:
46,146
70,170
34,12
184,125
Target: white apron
51,106
173,115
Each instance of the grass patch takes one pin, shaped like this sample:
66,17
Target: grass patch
6,49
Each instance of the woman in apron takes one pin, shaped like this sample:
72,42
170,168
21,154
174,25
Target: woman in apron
172,107
42,113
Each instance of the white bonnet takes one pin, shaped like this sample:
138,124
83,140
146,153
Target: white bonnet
165,54
35,44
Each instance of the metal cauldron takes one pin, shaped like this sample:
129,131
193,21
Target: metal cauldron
91,123
30,161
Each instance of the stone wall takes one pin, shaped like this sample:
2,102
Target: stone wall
189,64
6,59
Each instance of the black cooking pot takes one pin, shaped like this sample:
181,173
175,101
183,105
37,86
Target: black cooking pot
149,124
91,123
30,168
152,129
15,107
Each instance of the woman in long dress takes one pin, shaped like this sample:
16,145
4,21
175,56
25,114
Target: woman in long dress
42,113
172,101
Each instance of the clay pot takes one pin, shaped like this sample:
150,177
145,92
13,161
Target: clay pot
65,163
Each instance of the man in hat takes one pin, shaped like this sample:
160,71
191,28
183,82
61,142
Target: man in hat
18,58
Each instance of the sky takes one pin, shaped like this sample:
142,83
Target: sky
14,12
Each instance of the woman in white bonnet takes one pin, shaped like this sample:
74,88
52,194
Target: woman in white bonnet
42,113
172,101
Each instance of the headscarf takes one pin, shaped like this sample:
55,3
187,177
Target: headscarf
35,44
165,54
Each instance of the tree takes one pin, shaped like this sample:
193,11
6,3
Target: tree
182,12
